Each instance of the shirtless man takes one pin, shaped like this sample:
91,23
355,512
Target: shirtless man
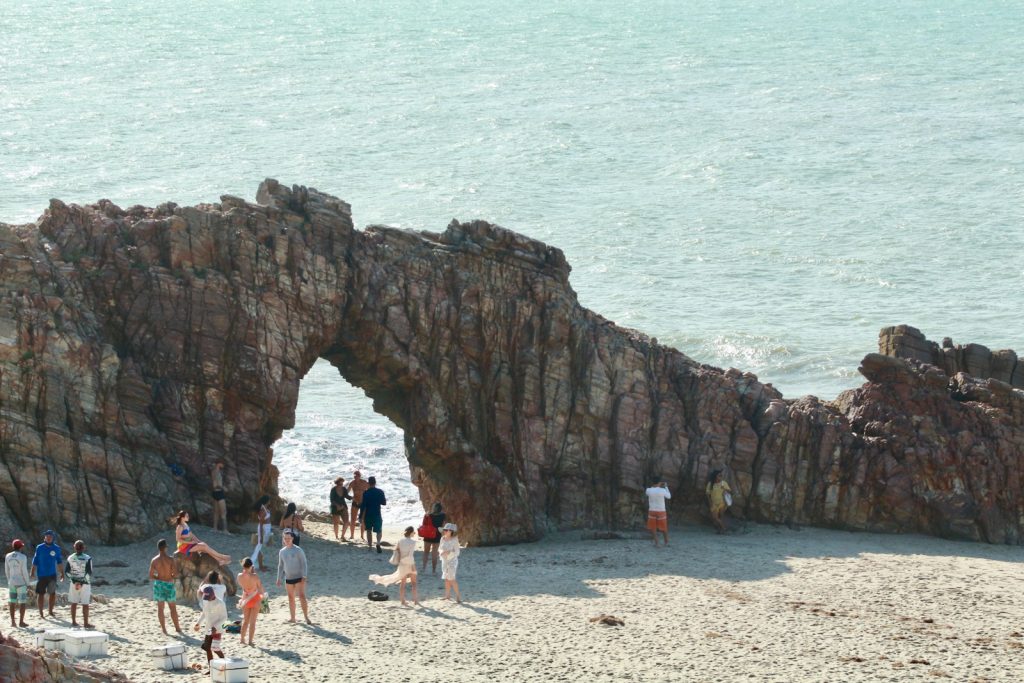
357,487
220,504
163,572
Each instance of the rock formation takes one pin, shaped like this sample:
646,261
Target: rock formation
23,665
903,341
140,345
192,571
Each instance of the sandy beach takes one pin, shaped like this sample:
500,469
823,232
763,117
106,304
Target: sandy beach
763,604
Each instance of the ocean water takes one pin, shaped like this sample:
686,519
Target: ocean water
762,185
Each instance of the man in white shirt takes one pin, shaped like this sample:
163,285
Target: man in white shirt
657,516
16,568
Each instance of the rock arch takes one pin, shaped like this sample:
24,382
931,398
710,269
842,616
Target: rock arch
139,345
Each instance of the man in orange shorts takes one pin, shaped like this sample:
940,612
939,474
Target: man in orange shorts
657,516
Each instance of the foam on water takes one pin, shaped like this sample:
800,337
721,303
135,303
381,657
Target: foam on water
761,184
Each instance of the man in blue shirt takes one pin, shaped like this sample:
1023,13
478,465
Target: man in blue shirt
373,499
46,564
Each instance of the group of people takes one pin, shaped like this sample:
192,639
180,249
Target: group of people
367,501
47,569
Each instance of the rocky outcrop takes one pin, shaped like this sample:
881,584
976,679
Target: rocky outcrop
138,346
903,341
21,665
192,572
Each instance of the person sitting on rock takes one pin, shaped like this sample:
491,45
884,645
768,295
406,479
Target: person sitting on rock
717,491
189,542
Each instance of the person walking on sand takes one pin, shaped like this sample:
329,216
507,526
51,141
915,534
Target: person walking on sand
252,598
212,619
657,516
163,571
188,542
357,487
339,508
373,500
292,521
78,569
449,548
16,570
436,517
404,556
292,566
719,497
264,530
220,503
46,564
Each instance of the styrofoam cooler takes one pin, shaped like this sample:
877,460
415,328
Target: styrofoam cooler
170,656
52,638
229,670
86,643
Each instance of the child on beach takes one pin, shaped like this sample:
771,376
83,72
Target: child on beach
404,557
449,550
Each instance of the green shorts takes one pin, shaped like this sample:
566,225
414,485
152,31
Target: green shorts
163,591
17,595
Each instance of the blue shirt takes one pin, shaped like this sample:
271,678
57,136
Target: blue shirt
373,499
46,559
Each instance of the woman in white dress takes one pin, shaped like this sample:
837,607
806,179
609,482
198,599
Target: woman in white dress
404,557
449,550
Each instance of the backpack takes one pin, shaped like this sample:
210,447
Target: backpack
427,530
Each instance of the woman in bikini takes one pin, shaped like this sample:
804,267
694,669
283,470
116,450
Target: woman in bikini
292,521
188,542
252,596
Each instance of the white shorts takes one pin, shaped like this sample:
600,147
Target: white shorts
80,596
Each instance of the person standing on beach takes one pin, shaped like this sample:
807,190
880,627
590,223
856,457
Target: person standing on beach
357,487
292,521
16,570
657,516
450,560
78,569
718,492
252,598
163,572
437,519
404,556
220,503
215,613
373,500
46,564
339,508
263,530
292,566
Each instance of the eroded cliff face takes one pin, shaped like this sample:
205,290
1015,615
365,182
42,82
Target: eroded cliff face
138,346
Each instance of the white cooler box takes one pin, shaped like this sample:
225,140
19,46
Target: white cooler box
229,670
86,643
52,638
169,657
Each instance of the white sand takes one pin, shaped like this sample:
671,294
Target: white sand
766,604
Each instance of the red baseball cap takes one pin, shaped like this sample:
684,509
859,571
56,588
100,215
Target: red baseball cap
17,544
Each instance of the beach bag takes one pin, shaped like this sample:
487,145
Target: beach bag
232,627
728,499
377,596
393,560
265,604
427,530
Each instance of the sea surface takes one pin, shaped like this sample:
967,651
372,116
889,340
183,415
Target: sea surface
762,185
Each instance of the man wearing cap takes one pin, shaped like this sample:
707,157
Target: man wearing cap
78,569
373,500
46,564
16,569
357,487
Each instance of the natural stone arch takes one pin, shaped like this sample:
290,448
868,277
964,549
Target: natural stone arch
139,346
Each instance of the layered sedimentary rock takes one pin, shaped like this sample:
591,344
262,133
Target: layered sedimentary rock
23,665
138,346
903,341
